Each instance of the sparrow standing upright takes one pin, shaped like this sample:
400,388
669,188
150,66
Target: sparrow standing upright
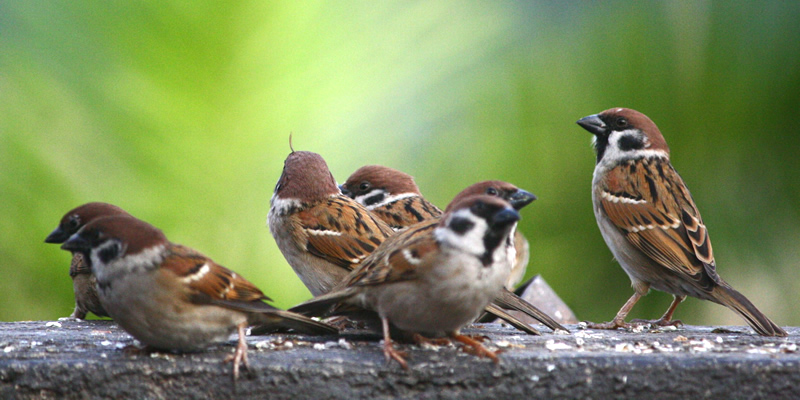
395,198
171,297
322,233
84,283
650,222
432,279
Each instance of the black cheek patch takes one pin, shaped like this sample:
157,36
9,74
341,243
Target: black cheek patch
109,253
630,142
374,199
461,225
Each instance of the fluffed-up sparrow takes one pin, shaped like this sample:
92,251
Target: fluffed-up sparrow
431,279
650,222
171,297
84,283
322,233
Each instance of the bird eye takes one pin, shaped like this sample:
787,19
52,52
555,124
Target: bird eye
74,222
364,186
491,191
621,122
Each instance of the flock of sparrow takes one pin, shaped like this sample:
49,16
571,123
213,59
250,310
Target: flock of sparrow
374,250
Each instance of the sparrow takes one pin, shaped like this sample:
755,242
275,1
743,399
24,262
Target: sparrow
651,224
390,194
431,279
394,197
171,297
322,233
84,283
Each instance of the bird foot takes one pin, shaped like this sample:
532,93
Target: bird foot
476,348
391,354
610,325
238,357
421,340
658,322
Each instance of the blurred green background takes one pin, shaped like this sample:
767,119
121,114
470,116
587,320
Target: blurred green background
181,112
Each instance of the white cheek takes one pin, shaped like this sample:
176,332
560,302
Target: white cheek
387,199
613,154
471,241
145,260
282,206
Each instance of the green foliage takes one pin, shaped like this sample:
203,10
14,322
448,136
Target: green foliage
180,113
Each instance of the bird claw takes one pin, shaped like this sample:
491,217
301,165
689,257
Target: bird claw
421,340
391,354
634,324
610,325
238,357
661,322
475,347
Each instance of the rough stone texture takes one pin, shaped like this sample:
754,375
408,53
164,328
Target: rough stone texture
83,359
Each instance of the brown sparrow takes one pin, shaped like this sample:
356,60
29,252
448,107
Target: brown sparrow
394,197
390,194
322,233
432,279
84,283
171,297
650,222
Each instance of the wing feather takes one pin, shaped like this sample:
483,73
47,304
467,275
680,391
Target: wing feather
344,239
657,214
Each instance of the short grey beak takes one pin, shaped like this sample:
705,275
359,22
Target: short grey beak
593,124
521,199
76,243
505,217
57,236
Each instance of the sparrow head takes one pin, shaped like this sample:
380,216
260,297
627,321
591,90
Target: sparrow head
372,184
305,178
622,133
110,238
478,224
78,217
517,197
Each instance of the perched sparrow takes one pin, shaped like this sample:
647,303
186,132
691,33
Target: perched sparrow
84,283
518,199
393,196
650,222
432,279
390,194
171,297
322,233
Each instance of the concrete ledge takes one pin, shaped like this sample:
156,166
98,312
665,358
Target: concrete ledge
83,359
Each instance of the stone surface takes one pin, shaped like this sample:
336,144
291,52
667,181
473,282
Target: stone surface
83,359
